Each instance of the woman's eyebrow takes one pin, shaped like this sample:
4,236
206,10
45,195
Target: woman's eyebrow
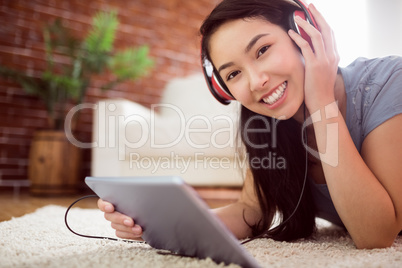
224,66
253,41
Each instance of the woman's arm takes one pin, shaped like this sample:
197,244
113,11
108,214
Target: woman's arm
246,208
366,189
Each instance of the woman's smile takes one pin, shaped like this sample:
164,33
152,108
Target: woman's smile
275,95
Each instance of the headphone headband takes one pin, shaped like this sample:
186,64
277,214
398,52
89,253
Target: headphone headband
215,83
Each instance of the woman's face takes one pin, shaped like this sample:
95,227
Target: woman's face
260,65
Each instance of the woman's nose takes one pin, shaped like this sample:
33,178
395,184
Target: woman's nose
258,79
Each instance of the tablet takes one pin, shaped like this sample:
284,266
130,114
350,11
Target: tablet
173,217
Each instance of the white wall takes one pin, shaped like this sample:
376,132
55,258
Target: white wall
367,28
385,22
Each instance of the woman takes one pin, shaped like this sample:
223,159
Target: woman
355,120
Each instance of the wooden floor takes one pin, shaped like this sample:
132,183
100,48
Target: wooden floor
16,204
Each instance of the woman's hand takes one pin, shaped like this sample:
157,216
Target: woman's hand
125,226
321,63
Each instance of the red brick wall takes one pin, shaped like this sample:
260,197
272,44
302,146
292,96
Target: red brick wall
169,27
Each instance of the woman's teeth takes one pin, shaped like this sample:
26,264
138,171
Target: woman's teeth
274,97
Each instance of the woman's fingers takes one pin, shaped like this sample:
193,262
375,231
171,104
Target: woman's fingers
118,218
128,235
125,226
323,40
129,231
327,33
105,206
315,36
114,216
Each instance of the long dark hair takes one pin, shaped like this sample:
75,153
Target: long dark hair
276,154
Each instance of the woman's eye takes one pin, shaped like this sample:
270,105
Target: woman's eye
262,51
232,75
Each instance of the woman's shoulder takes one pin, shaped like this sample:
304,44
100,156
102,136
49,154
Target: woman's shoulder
372,71
374,94
394,60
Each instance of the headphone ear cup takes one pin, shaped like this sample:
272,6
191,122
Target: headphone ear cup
215,86
220,88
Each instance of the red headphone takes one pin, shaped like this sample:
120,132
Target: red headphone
215,82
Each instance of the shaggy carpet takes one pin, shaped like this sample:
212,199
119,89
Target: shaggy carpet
40,239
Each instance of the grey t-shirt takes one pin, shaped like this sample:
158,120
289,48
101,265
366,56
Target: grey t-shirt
374,95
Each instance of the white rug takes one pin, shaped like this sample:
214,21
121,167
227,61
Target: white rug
41,240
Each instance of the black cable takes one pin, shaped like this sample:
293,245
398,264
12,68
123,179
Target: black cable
90,236
301,193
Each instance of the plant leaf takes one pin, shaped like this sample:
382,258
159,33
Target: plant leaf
131,63
102,34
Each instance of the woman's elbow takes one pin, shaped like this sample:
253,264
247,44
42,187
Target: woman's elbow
383,242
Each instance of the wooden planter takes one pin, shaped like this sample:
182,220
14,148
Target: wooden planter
53,164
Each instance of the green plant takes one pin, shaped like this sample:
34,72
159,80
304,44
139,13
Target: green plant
71,63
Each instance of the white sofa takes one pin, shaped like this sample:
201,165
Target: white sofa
188,134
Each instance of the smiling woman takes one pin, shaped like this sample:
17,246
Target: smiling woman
266,61
292,91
